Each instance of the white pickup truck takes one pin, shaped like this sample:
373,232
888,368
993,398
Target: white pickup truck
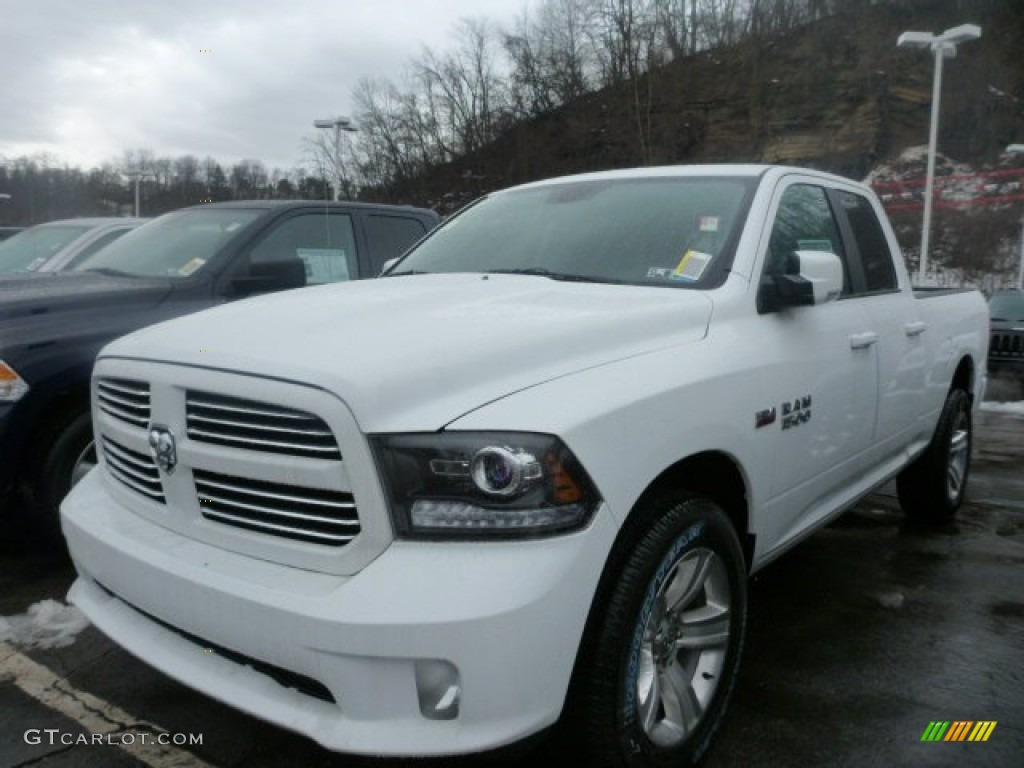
521,479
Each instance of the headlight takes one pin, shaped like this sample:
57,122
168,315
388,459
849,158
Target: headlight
12,386
482,484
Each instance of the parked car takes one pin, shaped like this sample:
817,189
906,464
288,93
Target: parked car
6,232
51,329
525,475
1006,345
60,244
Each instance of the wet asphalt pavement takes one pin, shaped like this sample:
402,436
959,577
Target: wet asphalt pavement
858,639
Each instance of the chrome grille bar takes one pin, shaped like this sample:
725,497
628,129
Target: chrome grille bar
133,469
256,426
306,514
281,530
125,400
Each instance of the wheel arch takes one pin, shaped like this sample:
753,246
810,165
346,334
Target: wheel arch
963,377
715,474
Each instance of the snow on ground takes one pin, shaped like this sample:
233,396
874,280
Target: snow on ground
47,624
1016,409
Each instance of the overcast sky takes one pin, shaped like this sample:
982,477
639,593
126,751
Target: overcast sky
86,80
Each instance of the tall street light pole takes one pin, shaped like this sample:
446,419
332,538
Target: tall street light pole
136,175
1018,149
339,124
943,47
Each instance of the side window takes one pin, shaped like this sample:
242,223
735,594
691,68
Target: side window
323,241
390,236
100,242
804,222
874,248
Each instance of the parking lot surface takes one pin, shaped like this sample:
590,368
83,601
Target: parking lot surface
859,638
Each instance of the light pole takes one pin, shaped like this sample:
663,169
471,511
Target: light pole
339,124
1018,149
136,175
944,47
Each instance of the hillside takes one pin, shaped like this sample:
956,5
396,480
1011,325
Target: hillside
836,95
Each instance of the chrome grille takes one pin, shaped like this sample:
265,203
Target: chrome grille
289,511
136,470
125,400
257,426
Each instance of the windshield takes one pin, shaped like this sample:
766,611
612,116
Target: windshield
174,245
1007,306
670,231
29,250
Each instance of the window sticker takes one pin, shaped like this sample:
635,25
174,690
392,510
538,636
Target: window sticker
190,266
816,245
324,265
708,223
664,273
692,266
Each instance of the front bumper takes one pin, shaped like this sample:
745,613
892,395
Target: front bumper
498,624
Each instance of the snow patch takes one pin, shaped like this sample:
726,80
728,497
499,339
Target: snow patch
1016,409
46,624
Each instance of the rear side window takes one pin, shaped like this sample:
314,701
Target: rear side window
324,242
390,237
879,273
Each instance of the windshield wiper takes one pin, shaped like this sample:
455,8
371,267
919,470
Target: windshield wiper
564,276
110,271
405,272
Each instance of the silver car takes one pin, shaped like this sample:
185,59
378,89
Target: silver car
59,245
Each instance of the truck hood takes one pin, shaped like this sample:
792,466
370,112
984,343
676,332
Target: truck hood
414,353
56,307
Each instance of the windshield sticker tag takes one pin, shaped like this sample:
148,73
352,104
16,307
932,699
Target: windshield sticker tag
232,226
692,266
665,273
708,223
190,266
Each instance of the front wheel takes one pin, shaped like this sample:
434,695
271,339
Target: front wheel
67,455
932,488
664,659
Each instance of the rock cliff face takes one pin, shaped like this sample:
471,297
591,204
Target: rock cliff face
836,95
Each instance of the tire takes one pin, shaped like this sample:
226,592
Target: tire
66,453
655,679
932,488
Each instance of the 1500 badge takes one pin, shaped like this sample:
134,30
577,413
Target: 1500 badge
794,413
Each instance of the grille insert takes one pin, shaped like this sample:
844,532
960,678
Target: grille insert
125,400
136,470
1007,344
256,426
292,512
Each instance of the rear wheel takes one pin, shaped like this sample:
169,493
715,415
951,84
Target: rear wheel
932,488
658,671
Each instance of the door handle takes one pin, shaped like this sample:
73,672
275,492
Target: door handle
863,340
915,329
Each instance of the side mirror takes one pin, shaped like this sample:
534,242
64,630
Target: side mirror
813,277
270,276
387,266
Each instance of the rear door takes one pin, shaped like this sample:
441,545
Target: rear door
893,315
